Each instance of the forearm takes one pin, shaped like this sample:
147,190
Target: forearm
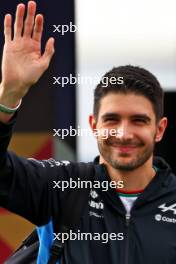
5,173
5,136
23,182
4,118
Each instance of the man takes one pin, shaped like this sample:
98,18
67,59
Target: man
144,210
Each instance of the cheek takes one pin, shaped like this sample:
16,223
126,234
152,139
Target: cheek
148,135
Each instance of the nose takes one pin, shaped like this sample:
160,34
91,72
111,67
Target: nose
126,130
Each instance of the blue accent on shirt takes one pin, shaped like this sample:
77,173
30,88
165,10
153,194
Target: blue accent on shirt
46,236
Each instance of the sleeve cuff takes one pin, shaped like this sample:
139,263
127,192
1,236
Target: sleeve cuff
4,128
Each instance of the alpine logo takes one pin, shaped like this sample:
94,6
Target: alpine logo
164,208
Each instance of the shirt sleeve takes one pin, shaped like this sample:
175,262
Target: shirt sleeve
27,185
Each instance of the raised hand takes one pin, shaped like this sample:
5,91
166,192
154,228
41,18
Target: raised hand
22,63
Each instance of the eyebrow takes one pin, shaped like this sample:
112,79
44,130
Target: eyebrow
142,116
110,115
117,116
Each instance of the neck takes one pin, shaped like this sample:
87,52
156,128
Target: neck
133,180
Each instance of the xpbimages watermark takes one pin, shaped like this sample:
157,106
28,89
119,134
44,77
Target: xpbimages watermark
84,184
62,29
84,80
103,237
84,132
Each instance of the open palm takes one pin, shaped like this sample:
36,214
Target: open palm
22,63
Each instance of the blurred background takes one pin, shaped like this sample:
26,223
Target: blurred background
117,33
113,33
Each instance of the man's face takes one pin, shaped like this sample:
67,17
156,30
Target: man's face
134,116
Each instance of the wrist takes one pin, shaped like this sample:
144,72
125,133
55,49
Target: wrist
9,110
8,99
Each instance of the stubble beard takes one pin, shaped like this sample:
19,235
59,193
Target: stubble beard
135,163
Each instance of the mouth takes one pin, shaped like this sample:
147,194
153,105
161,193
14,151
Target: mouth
125,148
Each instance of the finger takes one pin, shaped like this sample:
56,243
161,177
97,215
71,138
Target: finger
19,20
8,28
49,51
29,21
38,28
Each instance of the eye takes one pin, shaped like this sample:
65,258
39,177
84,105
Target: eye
110,120
140,120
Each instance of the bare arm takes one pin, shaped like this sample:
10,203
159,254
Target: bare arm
22,62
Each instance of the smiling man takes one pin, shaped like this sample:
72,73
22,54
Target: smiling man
135,107
138,220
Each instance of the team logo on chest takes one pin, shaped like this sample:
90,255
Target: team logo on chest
96,205
166,209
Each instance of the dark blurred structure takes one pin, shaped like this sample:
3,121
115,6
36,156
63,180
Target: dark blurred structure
166,148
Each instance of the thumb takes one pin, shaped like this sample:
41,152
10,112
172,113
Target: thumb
48,53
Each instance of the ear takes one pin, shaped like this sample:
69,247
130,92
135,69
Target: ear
92,122
161,127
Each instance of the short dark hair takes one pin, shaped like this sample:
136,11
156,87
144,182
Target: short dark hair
136,80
